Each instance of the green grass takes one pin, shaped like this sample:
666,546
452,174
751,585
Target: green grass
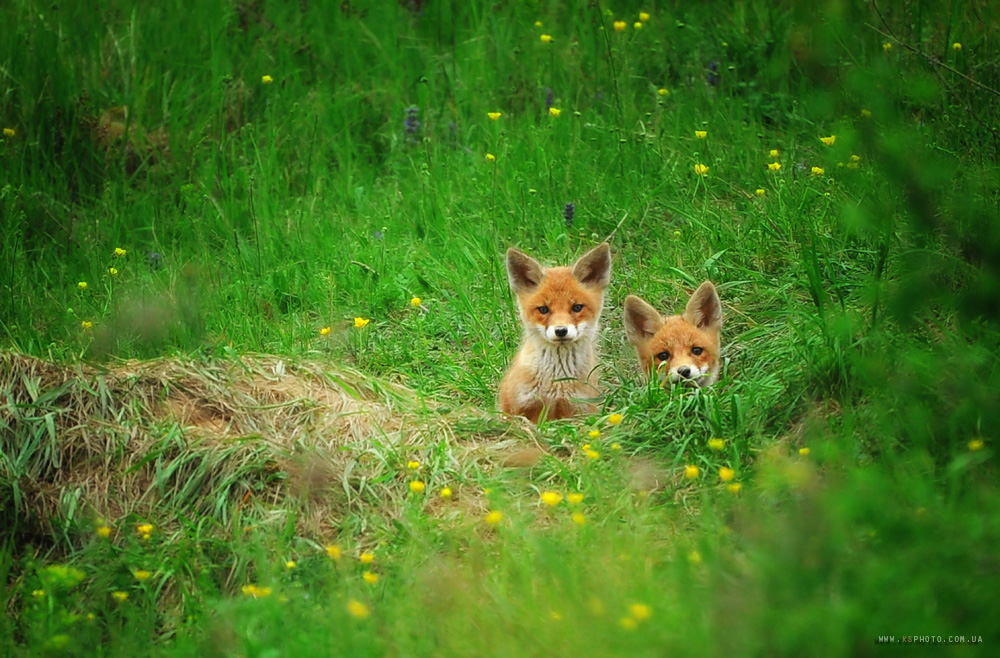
860,303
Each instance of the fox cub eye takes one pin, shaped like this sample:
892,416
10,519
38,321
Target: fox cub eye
663,356
577,308
544,310
697,351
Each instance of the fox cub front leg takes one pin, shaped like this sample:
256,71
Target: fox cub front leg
560,310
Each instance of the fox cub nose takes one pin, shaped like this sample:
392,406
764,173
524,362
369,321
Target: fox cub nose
684,372
561,332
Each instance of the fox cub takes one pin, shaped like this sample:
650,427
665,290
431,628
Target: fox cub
680,348
560,309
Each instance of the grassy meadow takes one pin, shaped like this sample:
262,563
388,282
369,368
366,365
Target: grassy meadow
254,312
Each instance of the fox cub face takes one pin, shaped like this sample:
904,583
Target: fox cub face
680,348
560,305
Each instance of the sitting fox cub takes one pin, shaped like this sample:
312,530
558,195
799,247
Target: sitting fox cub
680,348
560,310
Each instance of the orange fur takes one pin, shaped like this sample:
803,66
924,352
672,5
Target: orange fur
560,309
681,348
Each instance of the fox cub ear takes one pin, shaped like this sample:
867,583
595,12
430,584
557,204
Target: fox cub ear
594,267
641,320
704,310
523,271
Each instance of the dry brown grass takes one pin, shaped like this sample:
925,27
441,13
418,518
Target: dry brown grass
180,437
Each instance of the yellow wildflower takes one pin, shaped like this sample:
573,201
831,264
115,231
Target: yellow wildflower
370,578
38,593
855,158
594,433
760,191
593,454
8,132
734,487
104,532
701,170
551,498
555,111
640,611
637,25
643,16
614,419
726,474
620,26
628,623
716,444
585,447
774,166
413,465
333,551
266,79
113,271
494,115
82,285
575,498
616,446
446,492
494,517
975,445
416,486
817,171
141,575
367,558
956,46
119,252
662,91
773,153
360,323
490,157
866,114
290,564
691,472
677,234
701,134
546,38
145,529
887,47
119,596
357,609
86,324
325,331
578,518
538,23
829,141
415,302
694,557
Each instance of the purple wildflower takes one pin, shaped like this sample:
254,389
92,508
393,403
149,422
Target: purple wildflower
568,214
416,7
412,123
155,260
550,98
712,77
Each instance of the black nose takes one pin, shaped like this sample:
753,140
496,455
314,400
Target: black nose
561,332
684,372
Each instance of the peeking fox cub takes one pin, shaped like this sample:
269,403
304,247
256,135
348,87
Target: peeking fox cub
680,348
560,309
